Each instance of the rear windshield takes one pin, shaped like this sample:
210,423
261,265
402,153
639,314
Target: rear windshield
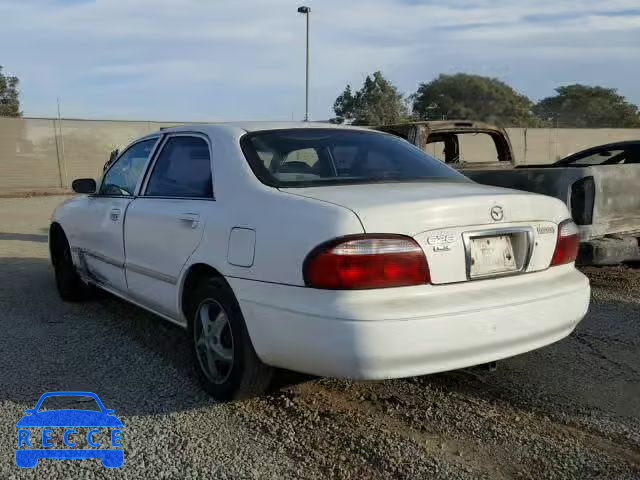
312,157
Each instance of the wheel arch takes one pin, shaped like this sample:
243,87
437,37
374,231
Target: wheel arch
193,274
56,235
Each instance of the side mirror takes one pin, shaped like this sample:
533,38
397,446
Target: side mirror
84,185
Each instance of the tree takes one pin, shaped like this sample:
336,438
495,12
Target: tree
9,101
378,102
472,97
582,106
344,106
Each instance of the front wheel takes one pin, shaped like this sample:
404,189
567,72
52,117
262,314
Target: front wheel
227,363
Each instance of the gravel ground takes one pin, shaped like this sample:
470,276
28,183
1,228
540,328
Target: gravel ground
570,410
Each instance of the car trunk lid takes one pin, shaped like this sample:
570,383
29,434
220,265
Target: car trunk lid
457,223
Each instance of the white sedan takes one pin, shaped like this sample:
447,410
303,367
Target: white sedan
328,250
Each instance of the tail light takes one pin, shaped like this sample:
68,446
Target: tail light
567,244
582,195
366,261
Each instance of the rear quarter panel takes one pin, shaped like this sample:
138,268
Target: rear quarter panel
287,227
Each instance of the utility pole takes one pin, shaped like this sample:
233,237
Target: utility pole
306,12
64,160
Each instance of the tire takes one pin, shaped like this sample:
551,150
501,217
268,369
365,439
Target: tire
70,287
225,359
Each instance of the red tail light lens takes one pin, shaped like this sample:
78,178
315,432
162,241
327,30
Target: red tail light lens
567,243
366,261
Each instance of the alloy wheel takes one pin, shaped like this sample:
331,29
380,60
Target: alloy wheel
213,341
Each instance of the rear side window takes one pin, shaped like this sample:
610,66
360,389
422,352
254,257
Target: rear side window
477,147
123,176
183,170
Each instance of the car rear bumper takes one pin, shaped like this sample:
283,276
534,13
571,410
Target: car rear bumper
400,332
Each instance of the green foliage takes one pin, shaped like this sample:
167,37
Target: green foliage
378,102
582,106
9,101
473,97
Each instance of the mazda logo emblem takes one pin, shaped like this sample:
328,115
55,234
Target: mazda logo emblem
497,213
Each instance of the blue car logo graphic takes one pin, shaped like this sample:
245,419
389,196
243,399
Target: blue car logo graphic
29,449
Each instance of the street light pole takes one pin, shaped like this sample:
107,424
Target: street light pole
306,11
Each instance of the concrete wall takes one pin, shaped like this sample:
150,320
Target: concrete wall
44,153
546,145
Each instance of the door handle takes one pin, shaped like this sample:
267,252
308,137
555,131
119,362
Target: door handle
192,218
115,214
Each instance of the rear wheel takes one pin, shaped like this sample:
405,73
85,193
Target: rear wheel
70,287
227,364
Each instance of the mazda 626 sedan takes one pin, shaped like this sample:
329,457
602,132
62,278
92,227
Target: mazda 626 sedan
328,250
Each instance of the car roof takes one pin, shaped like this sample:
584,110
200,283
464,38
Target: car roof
252,126
595,148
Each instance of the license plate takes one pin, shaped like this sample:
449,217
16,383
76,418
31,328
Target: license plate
491,256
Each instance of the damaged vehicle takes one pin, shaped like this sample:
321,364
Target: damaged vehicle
600,185
328,250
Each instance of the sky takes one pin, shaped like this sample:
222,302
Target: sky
213,60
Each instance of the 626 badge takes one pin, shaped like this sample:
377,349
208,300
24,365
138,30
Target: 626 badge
69,421
441,242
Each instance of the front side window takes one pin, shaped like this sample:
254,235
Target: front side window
123,176
312,157
183,170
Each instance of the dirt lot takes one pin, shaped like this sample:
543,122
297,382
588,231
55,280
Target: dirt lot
570,410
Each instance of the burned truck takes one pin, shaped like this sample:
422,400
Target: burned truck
600,185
